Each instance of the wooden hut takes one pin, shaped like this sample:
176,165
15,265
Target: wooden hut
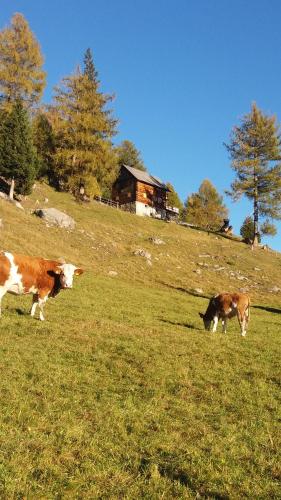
140,192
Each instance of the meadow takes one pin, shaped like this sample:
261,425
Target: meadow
120,393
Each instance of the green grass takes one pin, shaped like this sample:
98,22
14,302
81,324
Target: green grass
120,393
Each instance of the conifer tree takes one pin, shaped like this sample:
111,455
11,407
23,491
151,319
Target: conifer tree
129,155
44,141
205,208
21,74
18,159
247,229
255,151
83,128
89,67
173,199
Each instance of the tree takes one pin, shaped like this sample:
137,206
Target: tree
89,67
173,199
254,150
247,229
44,141
128,154
21,74
83,129
18,159
205,208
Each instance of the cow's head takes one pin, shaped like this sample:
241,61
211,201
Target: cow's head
66,273
207,322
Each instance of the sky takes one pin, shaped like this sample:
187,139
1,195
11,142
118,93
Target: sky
183,73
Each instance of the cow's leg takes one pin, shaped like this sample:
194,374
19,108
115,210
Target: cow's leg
42,301
2,293
224,325
34,304
215,320
241,322
245,322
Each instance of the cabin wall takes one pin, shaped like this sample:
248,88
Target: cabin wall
150,195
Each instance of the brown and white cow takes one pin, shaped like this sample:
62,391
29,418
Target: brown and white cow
21,274
225,306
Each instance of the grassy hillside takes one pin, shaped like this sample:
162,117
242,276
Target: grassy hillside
120,393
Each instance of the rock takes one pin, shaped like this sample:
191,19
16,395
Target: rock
112,273
156,241
197,271
257,269
5,197
143,253
198,290
275,289
55,217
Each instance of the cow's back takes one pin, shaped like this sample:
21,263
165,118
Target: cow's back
36,273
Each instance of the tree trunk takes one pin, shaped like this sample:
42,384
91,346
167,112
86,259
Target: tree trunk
256,223
256,212
12,188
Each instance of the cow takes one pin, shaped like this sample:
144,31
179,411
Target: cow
225,306
21,274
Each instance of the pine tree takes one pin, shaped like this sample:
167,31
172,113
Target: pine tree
247,230
89,67
205,208
255,150
83,128
129,155
173,199
18,159
21,74
44,141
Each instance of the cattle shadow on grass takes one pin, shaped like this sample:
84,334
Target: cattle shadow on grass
17,310
268,309
178,323
185,290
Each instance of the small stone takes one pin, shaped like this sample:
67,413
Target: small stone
112,273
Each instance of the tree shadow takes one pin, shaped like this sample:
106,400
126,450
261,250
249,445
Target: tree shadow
185,290
178,323
268,309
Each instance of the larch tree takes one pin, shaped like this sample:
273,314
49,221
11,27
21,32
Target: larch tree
83,126
128,154
206,208
18,159
254,150
21,61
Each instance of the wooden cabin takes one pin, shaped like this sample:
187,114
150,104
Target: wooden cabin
142,193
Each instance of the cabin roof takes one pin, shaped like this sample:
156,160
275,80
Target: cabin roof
146,178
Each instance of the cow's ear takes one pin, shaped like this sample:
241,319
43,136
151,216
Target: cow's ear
78,271
201,315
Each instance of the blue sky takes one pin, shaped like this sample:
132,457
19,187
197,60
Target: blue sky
183,73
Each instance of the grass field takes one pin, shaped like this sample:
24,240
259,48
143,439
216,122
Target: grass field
120,393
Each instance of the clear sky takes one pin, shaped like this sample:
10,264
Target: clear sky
183,73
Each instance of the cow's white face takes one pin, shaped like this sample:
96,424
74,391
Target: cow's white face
66,272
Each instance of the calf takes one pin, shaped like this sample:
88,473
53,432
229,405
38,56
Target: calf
224,306
21,274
